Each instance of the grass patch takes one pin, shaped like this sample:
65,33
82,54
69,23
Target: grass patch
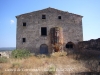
3,60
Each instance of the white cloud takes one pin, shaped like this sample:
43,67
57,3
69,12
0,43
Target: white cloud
12,21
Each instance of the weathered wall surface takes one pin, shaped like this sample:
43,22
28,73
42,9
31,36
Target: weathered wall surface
88,49
93,44
71,24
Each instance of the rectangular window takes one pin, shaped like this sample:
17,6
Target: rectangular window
24,23
43,16
43,31
59,17
23,40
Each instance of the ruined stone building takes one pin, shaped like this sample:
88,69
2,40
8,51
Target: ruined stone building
48,30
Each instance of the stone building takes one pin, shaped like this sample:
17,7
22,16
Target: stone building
48,30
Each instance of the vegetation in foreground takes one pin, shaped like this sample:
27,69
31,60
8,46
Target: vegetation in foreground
57,63
20,53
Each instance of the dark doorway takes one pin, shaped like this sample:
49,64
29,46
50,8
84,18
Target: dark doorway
43,49
69,45
0,55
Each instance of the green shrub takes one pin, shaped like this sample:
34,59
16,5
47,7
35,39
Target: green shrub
3,60
20,53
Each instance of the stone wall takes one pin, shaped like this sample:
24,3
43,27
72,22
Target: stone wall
89,48
93,44
69,22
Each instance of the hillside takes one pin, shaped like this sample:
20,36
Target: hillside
7,48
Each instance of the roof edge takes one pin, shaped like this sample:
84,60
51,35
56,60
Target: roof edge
49,8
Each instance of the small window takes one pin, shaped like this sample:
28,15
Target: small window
23,40
43,16
24,23
43,31
59,17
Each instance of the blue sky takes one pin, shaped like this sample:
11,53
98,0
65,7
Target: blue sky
89,9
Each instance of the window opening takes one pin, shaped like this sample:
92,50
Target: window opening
43,31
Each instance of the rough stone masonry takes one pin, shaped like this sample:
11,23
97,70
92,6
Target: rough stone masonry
33,29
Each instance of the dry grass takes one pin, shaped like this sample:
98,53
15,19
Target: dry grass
59,62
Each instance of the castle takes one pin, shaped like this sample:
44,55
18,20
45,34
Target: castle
48,30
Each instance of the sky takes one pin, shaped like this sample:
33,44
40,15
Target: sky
89,9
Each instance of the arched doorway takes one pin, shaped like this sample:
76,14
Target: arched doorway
70,45
43,49
0,55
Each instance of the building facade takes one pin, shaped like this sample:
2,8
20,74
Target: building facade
41,30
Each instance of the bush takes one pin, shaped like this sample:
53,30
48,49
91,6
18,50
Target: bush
3,60
20,53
